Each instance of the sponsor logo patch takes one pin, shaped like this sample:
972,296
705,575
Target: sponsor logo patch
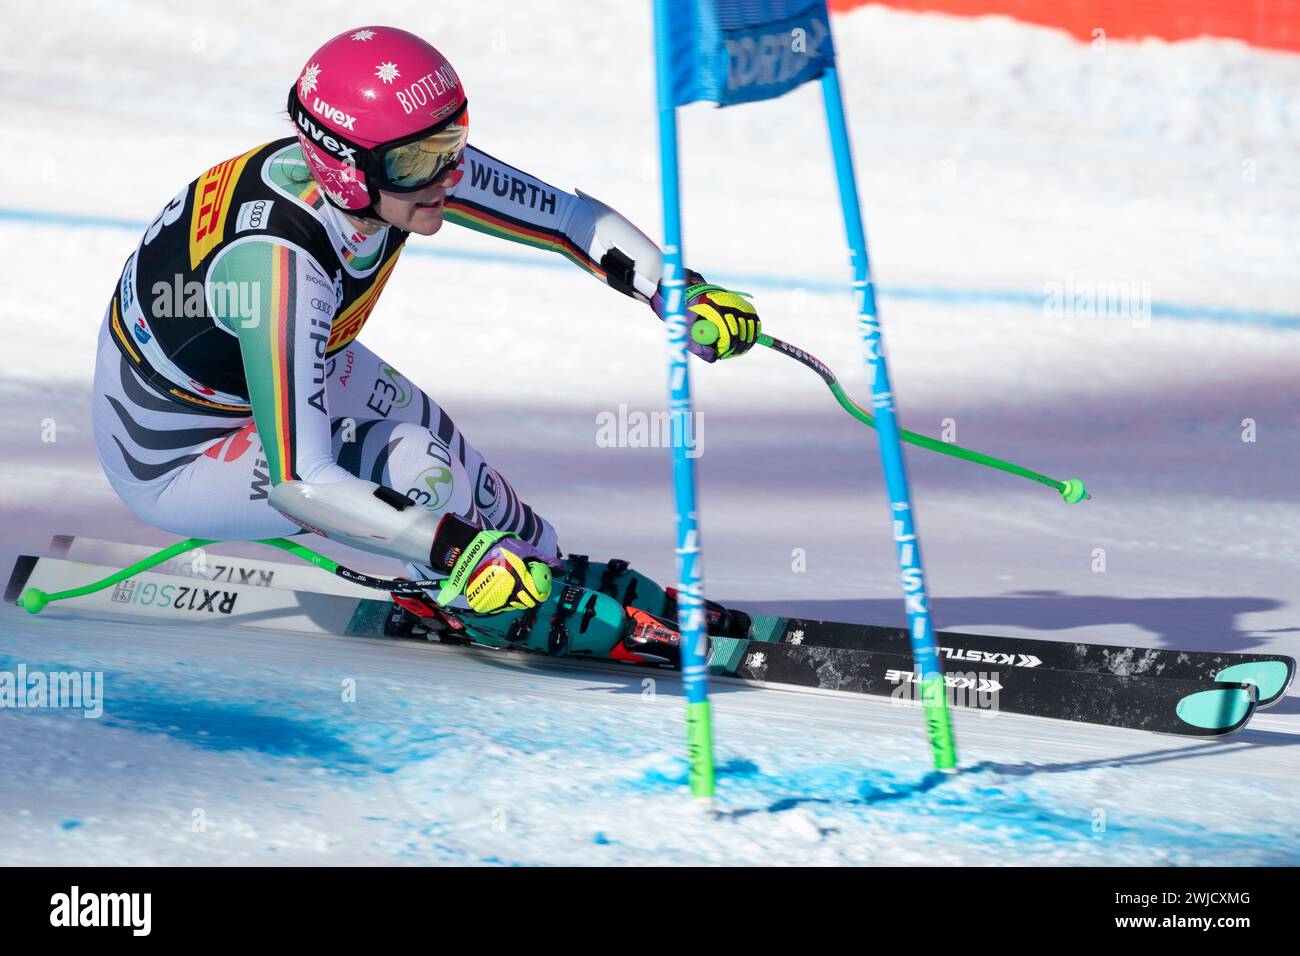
433,487
233,447
349,322
212,194
487,490
427,88
254,215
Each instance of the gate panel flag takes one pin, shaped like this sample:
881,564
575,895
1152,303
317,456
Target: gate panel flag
740,51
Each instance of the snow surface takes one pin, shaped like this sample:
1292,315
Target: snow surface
994,158
450,756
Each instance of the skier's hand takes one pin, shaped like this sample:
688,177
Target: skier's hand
722,323
495,570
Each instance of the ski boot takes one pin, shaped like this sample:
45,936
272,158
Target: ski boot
633,589
649,640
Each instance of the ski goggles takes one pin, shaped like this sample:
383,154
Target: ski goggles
410,165
399,165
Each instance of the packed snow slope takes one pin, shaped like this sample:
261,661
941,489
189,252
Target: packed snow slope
235,747
995,161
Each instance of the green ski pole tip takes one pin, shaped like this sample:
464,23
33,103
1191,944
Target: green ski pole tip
1073,491
704,332
33,600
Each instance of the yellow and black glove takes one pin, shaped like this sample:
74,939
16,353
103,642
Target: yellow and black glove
495,570
723,324
720,323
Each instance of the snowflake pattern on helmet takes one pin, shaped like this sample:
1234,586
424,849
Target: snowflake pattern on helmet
351,101
310,76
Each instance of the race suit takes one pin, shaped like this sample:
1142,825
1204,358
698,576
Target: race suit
229,363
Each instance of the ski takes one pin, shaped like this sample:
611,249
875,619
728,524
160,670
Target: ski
581,622
1187,707
170,598
1271,674
208,564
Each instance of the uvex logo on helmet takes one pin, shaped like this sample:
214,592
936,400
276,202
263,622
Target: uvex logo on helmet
333,114
322,138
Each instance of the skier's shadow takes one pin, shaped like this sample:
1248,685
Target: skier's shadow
1188,623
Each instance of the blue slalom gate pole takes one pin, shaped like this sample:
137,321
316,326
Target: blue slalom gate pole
690,591
934,697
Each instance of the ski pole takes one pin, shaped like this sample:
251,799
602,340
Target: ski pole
34,600
1071,489
379,582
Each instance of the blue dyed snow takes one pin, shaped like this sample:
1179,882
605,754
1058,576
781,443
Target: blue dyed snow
679,775
145,707
224,727
1005,808
1004,818
70,824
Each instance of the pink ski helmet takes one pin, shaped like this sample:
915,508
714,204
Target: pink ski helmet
377,107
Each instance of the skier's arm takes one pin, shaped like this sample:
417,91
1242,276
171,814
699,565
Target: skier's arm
500,200
282,345
283,349
495,198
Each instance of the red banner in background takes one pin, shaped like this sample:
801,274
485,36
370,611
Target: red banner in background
1264,23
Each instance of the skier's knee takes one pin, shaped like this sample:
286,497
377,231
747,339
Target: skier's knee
427,471
423,468
549,540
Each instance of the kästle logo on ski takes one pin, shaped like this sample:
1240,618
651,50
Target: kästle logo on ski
974,682
997,658
977,691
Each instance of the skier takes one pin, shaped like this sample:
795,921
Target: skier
232,399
